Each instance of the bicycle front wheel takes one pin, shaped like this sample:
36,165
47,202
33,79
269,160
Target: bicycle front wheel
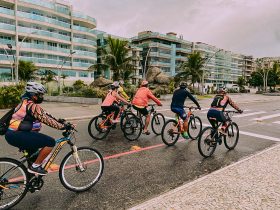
194,127
170,132
124,118
98,127
231,139
158,121
13,182
79,172
206,142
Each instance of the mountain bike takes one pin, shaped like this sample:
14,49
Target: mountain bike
79,170
100,126
135,124
210,137
174,127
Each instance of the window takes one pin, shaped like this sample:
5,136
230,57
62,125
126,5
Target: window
52,44
83,74
69,73
38,42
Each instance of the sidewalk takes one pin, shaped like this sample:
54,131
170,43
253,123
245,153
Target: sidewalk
252,183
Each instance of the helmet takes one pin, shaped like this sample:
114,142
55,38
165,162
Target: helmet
183,84
115,85
222,89
34,87
121,82
144,83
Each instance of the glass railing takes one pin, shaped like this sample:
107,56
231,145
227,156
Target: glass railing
86,53
5,58
43,19
43,60
44,47
41,3
80,64
80,28
84,41
184,50
7,27
7,11
44,33
80,15
5,41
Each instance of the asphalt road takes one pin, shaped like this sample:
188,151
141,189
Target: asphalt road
130,179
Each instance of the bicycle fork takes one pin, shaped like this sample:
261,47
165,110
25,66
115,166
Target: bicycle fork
77,158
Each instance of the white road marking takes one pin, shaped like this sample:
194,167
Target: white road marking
277,122
249,114
267,117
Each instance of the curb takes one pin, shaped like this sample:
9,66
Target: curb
146,204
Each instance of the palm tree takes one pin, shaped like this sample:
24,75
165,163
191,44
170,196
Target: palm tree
115,55
26,70
63,77
47,76
192,68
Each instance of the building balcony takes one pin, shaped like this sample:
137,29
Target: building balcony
80,15
184,50
5,42
84,29
84,41
45,47
80,64
43,19
85,53
43,61
8,27
7,11
44,33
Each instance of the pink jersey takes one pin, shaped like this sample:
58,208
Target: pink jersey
110,99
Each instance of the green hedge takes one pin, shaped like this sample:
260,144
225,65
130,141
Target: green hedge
10,96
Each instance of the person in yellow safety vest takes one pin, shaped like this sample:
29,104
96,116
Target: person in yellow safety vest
122,92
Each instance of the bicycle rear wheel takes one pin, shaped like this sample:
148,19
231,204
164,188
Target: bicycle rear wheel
194,127
13,182
206,142
124,118
132,128
231,139
158,121
80,173
170,132
98,127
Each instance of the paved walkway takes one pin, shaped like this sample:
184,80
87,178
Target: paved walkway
253,183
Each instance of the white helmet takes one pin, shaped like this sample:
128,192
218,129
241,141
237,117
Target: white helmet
34,87
121,82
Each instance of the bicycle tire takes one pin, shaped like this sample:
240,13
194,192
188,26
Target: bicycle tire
66,166
170,131
230,132
205,140
124,118
132,128
3,181
156,121
93,126
196,123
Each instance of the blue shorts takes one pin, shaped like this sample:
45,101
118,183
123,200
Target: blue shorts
180,111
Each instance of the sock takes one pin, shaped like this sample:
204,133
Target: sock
185,133
34,165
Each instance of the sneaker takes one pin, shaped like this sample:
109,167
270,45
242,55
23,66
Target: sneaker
185,136
116,121
38,170
146,132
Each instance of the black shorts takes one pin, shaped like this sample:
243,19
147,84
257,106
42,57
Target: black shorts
142,111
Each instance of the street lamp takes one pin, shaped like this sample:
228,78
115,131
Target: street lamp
208,59
13,65
144,69
60,70
12,71
18,50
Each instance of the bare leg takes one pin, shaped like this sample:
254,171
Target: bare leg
185,125
43,154
147,122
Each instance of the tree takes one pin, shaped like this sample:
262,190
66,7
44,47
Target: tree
116,55
241,82
274,76
192,68
26,70
47,76
263,71
256,79
63,77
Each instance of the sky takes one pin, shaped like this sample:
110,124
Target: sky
250,27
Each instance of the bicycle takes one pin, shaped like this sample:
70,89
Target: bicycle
102,124
134,125
210,136
79,170
174,127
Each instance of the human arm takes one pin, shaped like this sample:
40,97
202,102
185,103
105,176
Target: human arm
118,97
123,93
193,99
155,99
234,105
39,114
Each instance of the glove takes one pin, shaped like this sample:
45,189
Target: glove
199,108
68,126
240,111
62,121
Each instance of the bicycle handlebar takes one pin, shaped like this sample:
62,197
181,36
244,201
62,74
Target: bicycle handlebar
191,107
232,111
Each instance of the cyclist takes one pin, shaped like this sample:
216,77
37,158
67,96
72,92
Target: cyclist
121,90
110,103
218,106
140,103
26,122
177,105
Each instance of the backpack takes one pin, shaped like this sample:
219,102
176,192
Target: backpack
5,121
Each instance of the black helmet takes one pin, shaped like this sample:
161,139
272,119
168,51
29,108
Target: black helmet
222,90
183,84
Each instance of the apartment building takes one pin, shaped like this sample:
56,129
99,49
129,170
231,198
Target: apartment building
267,62
165,51
133,51
222,66
49,33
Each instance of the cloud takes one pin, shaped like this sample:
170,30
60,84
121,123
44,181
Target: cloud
248,27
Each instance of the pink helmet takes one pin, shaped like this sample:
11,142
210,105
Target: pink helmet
144,83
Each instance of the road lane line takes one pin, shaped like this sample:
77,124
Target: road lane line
277,122
267,117
249,114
